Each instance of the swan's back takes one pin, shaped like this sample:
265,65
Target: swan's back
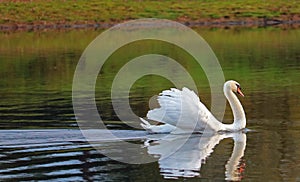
183,109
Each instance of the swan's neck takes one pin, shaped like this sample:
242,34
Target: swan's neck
237,110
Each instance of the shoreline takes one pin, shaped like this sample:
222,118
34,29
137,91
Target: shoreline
208,23
37,15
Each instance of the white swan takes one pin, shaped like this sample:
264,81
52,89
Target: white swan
182,112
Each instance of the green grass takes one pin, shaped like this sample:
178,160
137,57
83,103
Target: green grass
81,11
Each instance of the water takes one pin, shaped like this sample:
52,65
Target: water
36,71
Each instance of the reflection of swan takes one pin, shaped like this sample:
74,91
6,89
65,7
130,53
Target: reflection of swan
233,166
182,111
186,160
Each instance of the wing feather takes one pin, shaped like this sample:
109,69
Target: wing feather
183,109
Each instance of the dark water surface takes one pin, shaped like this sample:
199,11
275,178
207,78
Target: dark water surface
36,71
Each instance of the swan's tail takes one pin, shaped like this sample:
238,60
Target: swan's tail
145,124
165,128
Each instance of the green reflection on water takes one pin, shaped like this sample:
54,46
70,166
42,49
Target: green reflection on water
47,59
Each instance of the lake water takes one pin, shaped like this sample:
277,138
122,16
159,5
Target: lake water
40,139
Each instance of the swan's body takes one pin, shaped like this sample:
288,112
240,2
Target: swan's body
181,111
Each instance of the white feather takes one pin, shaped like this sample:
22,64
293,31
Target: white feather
165,128
183,109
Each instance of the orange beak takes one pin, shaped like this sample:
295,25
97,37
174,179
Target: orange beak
240,92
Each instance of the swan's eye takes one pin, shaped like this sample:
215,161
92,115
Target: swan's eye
238,86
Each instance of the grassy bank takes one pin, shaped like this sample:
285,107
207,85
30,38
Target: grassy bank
40,12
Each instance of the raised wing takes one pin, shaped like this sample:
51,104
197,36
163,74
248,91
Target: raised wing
183,109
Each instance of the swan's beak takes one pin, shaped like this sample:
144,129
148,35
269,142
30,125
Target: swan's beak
240,92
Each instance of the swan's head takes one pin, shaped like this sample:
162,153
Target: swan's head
234,86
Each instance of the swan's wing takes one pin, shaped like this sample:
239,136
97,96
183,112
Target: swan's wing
183,109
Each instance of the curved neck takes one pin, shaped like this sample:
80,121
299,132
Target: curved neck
237,110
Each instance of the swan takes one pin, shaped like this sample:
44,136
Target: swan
182,112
